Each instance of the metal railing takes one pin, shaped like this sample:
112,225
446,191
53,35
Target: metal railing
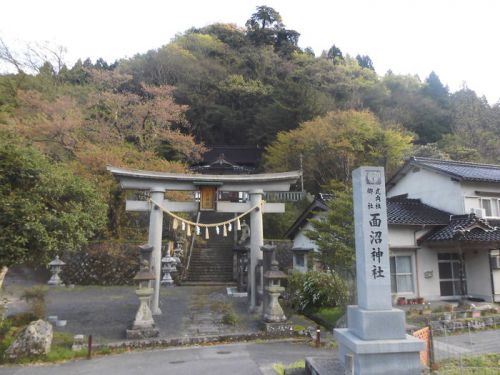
284,196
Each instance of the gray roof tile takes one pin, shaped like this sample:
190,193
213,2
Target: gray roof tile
401,210
462,170
467,228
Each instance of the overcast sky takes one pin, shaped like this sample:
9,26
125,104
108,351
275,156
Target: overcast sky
458,39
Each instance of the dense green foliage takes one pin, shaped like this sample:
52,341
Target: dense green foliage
44,209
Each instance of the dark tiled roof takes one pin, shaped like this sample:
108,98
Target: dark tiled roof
240,155
317,205
401,210
467,228
460,170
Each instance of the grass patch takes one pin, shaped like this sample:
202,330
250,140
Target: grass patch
298,328
226,310
280,367
472,365
329,315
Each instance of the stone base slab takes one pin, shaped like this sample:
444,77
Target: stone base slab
143,333
376,324
278,328
380,357
324,366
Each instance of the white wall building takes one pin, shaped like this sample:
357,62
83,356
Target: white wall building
444,230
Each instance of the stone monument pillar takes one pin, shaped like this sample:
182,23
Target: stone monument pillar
256,241
155,237
375,337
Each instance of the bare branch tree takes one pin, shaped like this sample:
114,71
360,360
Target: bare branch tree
7,56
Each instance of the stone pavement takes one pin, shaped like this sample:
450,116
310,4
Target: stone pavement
105,312
234,359
466,344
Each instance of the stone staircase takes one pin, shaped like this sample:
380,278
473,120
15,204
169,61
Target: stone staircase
212,259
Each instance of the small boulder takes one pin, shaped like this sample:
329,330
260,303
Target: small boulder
34,340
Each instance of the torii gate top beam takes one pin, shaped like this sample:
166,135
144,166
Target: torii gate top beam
162,181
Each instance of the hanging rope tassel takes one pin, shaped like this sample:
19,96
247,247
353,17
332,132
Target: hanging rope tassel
224,233
188,230
217,230
229,227
206,233
198,230
175,224
238,224
183,225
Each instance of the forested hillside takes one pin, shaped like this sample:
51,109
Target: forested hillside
223,84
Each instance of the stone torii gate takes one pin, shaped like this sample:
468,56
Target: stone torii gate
157,183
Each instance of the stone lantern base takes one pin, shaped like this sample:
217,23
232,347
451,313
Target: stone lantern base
144,326
282,329
142,333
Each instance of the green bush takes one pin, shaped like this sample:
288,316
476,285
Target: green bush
313,290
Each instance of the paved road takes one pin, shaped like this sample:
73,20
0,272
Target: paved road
467,345
234,359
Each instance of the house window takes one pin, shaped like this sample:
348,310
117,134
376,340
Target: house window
491,206
401,274
451,274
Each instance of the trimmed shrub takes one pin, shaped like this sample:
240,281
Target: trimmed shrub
311,290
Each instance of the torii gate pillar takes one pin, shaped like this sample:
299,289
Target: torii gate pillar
256,241
154,239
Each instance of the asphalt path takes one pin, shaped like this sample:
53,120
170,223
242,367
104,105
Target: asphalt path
231,359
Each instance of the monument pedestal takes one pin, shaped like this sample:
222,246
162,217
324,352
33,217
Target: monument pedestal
373,357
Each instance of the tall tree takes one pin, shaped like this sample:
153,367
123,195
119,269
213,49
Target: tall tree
334,233
333,145
364,61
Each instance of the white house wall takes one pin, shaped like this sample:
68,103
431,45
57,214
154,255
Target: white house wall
477,265
431,188
469,188
301,240
401,236
428,266
496,282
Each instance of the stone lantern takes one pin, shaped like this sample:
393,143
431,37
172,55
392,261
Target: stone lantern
168,268
178,253
144,325
55,269
145,253
273,313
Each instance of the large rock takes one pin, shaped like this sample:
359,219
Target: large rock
34,340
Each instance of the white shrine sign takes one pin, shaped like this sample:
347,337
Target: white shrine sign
375,341
372,250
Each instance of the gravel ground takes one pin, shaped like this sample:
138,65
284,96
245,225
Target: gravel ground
106,312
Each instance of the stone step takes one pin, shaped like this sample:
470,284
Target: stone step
209,283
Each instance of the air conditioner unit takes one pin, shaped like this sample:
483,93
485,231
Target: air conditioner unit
495,262
479,212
